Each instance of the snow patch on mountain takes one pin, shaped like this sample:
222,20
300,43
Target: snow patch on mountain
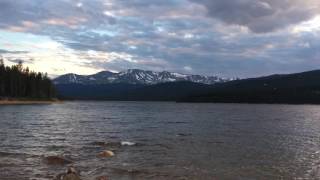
136,76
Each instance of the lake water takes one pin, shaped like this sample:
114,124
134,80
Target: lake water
173,140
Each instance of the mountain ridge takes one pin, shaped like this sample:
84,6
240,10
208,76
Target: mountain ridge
297,88
136,76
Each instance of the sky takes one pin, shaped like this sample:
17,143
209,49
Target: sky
229,38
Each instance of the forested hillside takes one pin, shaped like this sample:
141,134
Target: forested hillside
299,88
170,91
19,82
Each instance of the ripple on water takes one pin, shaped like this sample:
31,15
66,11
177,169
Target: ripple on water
162,140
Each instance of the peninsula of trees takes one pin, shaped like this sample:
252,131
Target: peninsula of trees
19,83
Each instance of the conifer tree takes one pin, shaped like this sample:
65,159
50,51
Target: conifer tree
2,76
19,82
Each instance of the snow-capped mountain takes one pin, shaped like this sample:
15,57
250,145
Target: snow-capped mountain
136,76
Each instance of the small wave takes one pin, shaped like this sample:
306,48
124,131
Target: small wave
16,154
217,142
114,144
128,171
176,122
127,143
6,154
55,147
98,143
184,134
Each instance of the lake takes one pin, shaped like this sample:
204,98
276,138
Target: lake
171,140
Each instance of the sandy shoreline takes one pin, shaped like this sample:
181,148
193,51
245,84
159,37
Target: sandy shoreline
21,102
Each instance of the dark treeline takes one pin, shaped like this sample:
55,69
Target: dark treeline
19,82
170,91
299,88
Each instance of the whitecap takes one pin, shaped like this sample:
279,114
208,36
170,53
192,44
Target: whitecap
127,143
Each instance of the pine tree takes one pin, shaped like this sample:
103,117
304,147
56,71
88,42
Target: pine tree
2,77
19,82
1,61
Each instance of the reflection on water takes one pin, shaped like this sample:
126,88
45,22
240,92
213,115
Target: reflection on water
173,141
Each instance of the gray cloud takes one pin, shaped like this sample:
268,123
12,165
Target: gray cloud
174,35
262,15
3,51
17,60
39,15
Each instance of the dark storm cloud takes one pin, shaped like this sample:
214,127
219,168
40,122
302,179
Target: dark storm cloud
262,15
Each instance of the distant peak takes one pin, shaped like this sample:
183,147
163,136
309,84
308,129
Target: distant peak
105,72
137,76
134,70
71,74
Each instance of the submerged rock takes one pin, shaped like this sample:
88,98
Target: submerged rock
98,143
56,160
106,154
102,178
72,170
71,177
71,174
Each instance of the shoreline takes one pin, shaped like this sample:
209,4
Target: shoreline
28,102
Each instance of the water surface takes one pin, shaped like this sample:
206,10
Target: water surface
174,141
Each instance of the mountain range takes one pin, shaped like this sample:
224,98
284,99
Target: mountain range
297,88
133,85
136,76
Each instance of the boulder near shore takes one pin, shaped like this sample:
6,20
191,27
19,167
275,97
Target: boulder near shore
102,178
56,160
106,154
71,174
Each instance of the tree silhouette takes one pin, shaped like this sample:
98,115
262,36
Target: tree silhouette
19,82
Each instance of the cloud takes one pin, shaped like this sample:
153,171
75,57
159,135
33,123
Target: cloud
16,61
262,15
35,15
224,37
3,51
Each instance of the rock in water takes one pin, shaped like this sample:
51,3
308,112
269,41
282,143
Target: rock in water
102,178
57,160
99,143
106,154
72,170
71,174
71,177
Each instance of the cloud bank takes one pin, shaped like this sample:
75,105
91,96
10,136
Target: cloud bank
262,15
243,38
